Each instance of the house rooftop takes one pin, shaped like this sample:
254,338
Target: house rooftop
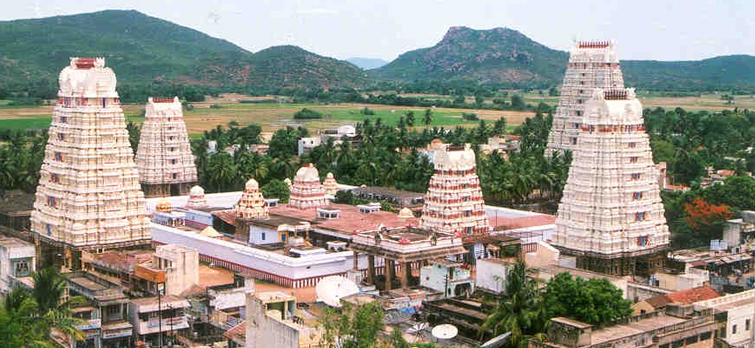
213,276
350,218
633,328
693,295
10,242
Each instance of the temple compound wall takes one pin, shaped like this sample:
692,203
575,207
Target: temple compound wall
591,65
611,214
164,158
88,195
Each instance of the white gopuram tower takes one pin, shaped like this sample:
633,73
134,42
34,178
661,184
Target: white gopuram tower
164,158
307,192
611,214
591,65
453,202
88,196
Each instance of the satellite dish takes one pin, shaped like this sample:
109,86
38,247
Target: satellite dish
416,328
332,289
445,332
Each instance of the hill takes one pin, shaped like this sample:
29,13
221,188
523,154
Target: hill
506,56
143,49
367,63
488,56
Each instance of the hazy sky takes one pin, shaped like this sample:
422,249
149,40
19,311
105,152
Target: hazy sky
643,29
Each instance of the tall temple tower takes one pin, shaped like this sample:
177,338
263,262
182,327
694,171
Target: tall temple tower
164,159
251,206
611,214
88,196
591,65
453,202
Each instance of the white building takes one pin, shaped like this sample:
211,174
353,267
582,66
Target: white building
145,314
307,144
449,278
740,310
17,260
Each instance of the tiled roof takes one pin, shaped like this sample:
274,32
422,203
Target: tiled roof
237,333
693,295
659,301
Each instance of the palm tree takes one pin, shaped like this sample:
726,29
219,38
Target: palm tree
222,171
520,309
49,286
428,117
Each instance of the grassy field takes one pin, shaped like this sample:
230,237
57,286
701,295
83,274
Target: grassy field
272,116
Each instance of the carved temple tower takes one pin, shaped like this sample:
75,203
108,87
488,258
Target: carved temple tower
251,206
307,192
591,65
611,214
164,158
88,196
330,185
453,202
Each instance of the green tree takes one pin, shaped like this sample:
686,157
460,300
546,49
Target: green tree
410,118
223,173
427,119
134,132
517,102
276,189
353,326
595,301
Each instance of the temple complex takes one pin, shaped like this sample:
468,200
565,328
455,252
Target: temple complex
88,196
611,214
330,185
591,65
307,192
164,158
454,199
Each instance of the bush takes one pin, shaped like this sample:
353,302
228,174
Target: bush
215,106
367,111
305,114
470,116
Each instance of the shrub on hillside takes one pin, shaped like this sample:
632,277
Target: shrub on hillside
305,114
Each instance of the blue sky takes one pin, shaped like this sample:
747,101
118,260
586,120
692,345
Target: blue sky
643,29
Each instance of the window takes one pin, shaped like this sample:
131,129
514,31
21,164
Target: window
734,329
639,216
635,176
576,125
677,344
691,340
283,237
468,213
104,102
574,141
632,145
63,119
637,195
58,156
49,230
633,159
642,241
173,161
705,336
263,235
579,101
61,136
54,178
175,175
663,346
747,324
51,201
469,230
579,113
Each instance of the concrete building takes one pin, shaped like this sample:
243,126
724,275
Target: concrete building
105,312
737,312
611,214
740,233
656,330
675,281
154,317
307,144
89,197
164,158
174,266
17,260
402,198
591,65
451,279
272,321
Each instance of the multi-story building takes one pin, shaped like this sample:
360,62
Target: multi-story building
88,196
272,321
173,266
105,313
159,319
591,65
736,313
611,214
307,192
450,278
164,158
17,260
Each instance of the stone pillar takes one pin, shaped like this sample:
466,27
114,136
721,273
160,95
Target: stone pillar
405,271
356,261
389,270
371,269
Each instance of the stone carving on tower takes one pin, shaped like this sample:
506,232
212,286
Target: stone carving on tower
591,65
611,214
88,195
307,192
330,185
453,202
164,158
252,205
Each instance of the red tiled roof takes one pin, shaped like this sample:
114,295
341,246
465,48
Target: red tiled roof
659,301
693,295
229,216
521,222
350,218
237,333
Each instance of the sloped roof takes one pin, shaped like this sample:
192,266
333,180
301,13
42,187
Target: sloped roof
659,301
693,295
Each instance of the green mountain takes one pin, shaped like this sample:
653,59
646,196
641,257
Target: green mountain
142,49
367,63
488,56
504,55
